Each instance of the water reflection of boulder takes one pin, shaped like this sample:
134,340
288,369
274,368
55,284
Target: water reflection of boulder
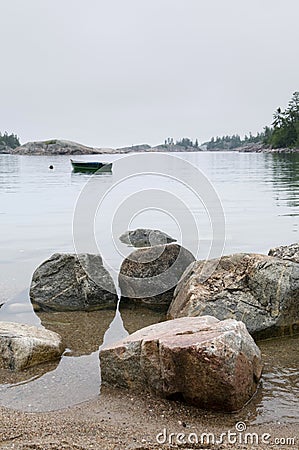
82,332
8,377
137,318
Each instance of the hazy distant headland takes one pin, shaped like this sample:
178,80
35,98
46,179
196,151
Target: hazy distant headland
63,147
281,136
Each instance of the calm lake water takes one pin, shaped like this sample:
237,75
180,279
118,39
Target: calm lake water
258,197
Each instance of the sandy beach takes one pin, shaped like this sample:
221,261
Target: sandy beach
121,420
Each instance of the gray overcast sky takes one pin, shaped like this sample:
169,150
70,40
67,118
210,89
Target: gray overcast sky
121,72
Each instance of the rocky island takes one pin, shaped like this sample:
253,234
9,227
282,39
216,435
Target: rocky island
65,147
55,147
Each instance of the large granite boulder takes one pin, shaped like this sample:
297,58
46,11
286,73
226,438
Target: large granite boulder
205,362
288,252
23,346
148,276
70,282
261,291
145,237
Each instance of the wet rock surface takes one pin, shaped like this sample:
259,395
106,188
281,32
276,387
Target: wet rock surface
70,282
261,291
209,363
148,276
23,346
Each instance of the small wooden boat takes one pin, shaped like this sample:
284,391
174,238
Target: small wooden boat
91,166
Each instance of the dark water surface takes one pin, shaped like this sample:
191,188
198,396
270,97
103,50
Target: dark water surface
260,198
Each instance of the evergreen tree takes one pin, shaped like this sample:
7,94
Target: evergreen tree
11,140
285,124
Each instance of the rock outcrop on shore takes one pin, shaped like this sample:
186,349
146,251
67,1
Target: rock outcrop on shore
260,290
134,148
23,346
262,148
5,150
71,282
57,147
148,276
205,362
65,147
145,237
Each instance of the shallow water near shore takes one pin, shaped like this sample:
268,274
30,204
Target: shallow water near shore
260,198
76,377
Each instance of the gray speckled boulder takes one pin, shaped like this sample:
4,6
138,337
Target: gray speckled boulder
261,291
70,282
145,237
210,364
23,346
148,276
289,252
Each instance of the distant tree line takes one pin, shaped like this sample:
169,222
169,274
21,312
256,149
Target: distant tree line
234,141
283,133
11,140
185,142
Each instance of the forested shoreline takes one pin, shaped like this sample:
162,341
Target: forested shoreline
282,134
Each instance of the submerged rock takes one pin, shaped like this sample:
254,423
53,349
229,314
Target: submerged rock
205,362
148,276
23,346
260,290
144,237
289,252
70,282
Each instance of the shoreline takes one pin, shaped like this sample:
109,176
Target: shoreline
119,419
62,147
122,419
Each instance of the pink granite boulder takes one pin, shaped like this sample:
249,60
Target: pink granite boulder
203,361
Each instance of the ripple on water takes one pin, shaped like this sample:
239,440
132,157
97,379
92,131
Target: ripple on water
277,399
